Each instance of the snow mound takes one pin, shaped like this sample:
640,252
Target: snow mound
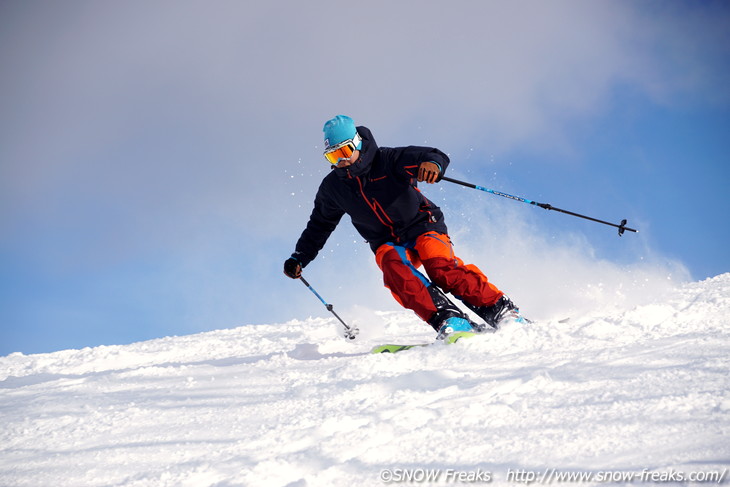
637,393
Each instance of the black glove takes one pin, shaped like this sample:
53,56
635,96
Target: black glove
292,268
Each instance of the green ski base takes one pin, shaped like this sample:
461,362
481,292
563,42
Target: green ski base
394,348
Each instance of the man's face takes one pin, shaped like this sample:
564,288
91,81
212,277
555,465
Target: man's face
348,162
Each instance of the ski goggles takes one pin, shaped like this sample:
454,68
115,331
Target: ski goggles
343,150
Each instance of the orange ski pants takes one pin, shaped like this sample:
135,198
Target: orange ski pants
434,251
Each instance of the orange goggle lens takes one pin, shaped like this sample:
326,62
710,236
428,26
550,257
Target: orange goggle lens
343,150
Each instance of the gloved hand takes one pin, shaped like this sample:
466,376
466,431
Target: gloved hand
428,172
292,268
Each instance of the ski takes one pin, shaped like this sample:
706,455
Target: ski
395,348
399,347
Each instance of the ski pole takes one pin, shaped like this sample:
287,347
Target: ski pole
621,228
350,333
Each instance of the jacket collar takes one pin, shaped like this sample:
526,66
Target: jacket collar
368,151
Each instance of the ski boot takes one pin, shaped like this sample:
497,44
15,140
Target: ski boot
449,321
502,310
451,326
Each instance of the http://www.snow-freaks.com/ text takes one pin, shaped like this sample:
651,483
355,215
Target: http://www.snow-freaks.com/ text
548,476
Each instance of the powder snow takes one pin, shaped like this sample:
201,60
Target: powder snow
632,396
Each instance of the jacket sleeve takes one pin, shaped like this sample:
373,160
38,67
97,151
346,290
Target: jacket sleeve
322,222
404,161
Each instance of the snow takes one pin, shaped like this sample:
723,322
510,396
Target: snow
635,392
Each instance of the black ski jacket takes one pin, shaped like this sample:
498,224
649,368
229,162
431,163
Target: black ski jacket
379,192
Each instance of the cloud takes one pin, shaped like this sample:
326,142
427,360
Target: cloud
557,273
205,103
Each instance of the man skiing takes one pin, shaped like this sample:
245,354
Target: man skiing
377,188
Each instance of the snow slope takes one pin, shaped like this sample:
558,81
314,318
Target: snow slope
638,392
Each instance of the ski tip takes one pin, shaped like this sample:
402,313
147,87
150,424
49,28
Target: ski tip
394,348
454,337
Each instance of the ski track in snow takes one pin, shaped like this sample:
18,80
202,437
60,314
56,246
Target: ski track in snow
293,405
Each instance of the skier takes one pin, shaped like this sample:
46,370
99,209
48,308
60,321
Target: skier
377,188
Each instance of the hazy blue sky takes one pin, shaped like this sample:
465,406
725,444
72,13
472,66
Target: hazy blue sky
158,159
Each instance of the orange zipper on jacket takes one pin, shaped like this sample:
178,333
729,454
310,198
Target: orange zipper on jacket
374,206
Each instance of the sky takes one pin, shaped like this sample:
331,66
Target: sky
158,160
